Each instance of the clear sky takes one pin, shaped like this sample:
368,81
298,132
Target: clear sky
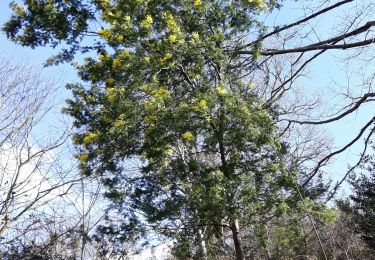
325,77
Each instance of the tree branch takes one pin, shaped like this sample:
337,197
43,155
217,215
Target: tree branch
355,107
283,28
326,159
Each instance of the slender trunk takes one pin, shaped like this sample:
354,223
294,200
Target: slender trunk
221,237
202,244
240,255
83,241
228,174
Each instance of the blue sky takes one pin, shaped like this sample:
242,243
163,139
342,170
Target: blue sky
323,72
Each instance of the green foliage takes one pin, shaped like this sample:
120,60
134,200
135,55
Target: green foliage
50,22
168,91
360,206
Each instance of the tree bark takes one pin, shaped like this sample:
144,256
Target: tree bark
202,244
240,255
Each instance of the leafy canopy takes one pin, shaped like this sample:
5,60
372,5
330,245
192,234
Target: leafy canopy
168,90
171,93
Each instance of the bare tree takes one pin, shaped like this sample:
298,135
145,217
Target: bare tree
47,208
33,172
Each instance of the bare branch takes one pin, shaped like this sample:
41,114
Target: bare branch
326,159
347,112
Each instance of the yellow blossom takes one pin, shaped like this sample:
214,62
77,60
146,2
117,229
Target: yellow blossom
172,25
148,104
187,136
168,151
195,36
111,94
150,120
172,38
120,38
147,22
104,33
202,104
110,14
146,59
119,124
111,91
221,91
145,88
149,19
255,2
90,137
125,53
168,56
84,157
155,79
161,93
103,57
116,63
197,3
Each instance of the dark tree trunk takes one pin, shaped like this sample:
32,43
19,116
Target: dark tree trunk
240,255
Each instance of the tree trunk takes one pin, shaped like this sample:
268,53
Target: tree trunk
240,255
202,244
221,236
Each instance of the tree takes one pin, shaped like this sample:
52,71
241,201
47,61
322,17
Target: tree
343,242
360,206
46,207
31,176
171,90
